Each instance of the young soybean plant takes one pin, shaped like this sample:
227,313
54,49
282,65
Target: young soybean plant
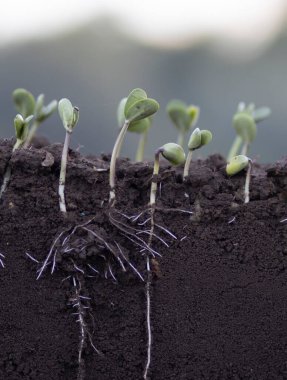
137,107
27,105
245,123
197,139
174,153
236,165
141,127
184,117
70,117
21,126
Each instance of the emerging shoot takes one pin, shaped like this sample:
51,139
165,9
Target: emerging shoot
171,152
27,105
245,123
141,127
236,165
70,117
137,107
183,117
176,156
197,139
21,126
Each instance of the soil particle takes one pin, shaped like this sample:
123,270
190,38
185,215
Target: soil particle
218,304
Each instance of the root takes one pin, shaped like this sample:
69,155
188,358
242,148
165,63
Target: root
1,260
148,319
148,298
6,180
70,243
80,303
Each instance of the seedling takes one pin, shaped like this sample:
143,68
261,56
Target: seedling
184,117
27,105
141,127
137,107
236,165
245,123
70,117
197,139
176,156
21,126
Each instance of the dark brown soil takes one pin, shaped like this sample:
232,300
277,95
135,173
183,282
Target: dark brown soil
219,293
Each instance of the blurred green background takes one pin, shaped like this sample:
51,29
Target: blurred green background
97,64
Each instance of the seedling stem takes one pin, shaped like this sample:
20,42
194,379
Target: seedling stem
181,136
247,182
234,148
70,117
62,180
31,134
187,164
141,147
115,154
245,149
154,183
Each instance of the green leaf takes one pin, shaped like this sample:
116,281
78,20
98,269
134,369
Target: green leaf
140,126
121,112
28,119
237,164
195,140
206,137
39,106
24,102
173,153
241,107
48,110
261,113
250,108
199,138
177,111
66,112
135,95
141,109
76,115
193,112
245,126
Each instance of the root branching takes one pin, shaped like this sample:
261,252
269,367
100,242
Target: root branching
81,305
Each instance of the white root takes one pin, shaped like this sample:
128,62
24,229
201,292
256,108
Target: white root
78,303
148,320
6,180
247,183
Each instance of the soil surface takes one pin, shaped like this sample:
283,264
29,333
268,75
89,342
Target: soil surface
219,289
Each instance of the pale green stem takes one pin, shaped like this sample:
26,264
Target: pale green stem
115,154
234,148
141,147
244,150
17,145
247,182
187,164
62,180
8,171
154,180
180,139
31,134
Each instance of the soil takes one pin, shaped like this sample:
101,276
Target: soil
219,291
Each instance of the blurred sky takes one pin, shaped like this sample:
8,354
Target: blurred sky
213,53
161,22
